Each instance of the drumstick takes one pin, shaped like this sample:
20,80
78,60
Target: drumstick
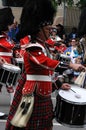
76,95
72,90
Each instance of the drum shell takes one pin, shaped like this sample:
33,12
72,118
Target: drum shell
20,63
9,74
70,114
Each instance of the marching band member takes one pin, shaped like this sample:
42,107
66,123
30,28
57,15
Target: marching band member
2,115
6,20
23,43
35,21
38,66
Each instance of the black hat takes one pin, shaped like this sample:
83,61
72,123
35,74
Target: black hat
35,14
6,18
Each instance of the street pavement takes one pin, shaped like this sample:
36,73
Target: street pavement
5,105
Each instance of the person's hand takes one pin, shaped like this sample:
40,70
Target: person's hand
65,86
77,67
2,61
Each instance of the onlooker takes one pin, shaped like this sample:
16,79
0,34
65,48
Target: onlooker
61,32
72,34
82,31
75,52
53,34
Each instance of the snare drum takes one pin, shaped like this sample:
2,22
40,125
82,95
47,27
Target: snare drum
71,107
9,74
20,62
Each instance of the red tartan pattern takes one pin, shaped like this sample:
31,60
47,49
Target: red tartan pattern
42,115
16,101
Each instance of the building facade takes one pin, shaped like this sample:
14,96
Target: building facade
69,17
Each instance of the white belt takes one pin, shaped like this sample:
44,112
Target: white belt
19,60
5,54
38,77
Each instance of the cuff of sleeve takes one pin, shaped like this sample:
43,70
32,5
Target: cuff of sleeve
58,83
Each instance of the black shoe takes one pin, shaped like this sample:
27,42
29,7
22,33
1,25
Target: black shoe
4,117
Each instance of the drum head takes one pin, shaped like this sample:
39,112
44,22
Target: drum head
75,95
2,114
11,68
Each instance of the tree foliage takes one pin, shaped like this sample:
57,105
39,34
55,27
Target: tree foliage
80,3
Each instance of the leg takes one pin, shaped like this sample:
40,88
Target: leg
11,91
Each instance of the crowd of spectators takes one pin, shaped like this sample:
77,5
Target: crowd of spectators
74,45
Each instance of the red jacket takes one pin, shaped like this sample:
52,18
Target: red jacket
38,69
6,49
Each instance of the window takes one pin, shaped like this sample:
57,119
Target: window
13,3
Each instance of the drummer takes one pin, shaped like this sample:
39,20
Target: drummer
6,46
2,115
37,65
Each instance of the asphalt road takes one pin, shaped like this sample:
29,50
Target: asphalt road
5,104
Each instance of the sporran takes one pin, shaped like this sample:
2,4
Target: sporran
24,111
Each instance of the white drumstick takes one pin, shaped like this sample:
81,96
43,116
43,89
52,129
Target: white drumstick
76,94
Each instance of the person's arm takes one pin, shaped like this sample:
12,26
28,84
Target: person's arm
60,85
2,60
77,67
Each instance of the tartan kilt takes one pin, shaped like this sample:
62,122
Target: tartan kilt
42,115
16,101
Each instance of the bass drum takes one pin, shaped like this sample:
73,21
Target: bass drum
71,107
